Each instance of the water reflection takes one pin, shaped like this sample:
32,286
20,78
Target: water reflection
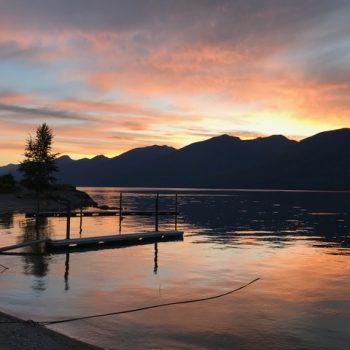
6,220
36,263
66,272
227,220
155,269
277,219
302,300
233,218
67,264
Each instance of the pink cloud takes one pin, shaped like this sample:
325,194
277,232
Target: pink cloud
212,68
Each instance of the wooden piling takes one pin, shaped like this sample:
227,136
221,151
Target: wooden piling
120,211
68,220
81,220
176,205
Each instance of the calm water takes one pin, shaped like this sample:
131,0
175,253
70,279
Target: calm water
297,242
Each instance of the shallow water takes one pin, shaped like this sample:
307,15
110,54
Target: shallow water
297,242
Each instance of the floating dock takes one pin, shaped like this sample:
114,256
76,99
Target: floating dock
115,240
101,241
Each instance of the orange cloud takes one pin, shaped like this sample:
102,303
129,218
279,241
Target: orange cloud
201,70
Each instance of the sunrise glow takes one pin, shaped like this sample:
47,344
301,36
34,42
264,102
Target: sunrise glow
113,75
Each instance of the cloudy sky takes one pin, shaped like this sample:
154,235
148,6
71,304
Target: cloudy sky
110,75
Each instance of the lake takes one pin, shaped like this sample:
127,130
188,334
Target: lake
298,243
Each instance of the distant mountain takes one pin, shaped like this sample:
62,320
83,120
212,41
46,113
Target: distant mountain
103,171
318,162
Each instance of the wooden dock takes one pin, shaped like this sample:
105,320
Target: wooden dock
100,241
114,240
49,214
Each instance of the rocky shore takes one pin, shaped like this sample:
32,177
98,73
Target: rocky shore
56,200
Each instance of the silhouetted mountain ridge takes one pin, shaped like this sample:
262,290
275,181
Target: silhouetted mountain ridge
321,161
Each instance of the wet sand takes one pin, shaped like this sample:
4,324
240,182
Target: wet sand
20,336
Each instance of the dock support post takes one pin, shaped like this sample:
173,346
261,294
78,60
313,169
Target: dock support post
156,213
176,211
68,220
81,219
120,211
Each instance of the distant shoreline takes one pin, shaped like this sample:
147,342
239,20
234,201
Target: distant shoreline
200,189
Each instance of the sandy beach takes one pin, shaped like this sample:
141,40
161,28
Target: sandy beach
26,336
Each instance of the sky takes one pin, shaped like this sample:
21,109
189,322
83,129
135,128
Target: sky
110,75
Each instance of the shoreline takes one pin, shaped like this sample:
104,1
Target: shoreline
21,202
30,336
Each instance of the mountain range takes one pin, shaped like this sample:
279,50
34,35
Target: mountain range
319,162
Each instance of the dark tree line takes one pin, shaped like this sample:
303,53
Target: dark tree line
7,183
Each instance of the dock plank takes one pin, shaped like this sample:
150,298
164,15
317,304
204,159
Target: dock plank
131,238
98,241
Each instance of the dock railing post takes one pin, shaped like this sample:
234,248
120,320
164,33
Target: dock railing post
81,219
156,213
176,205
120,211
68,220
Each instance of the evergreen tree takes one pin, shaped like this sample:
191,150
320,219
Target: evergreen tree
7,183
39,163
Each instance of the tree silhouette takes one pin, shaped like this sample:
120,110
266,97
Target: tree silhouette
7,183
39,163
